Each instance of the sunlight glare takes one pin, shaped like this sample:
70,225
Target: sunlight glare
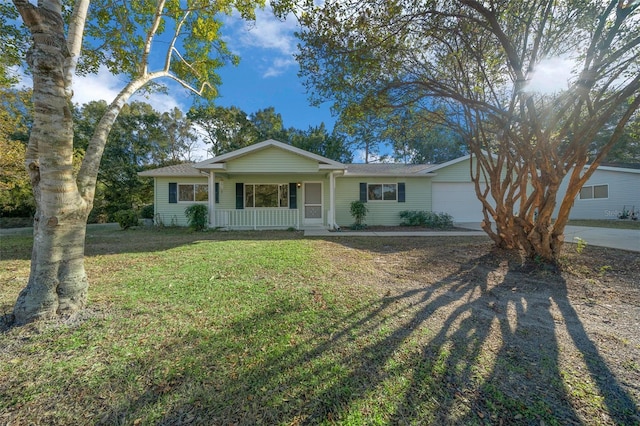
550,76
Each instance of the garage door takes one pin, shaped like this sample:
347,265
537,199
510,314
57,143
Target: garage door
457,199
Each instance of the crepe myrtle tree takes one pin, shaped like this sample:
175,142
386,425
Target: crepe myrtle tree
474,66
67,38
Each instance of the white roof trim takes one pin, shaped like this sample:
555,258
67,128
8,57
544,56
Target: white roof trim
615,169
215,161
448,163
216,166
331,167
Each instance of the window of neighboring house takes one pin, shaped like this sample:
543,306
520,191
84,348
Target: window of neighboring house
594,191
191,192
266,195
382,192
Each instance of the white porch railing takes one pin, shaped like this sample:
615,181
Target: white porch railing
257,218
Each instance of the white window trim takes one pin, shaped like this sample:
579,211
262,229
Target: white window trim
395,200
194,193
592,186
254,195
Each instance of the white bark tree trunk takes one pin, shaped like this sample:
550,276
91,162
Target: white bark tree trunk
58,282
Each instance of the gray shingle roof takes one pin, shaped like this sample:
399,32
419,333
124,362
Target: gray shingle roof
387,169
184,170
376,169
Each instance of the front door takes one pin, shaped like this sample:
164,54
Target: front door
313,203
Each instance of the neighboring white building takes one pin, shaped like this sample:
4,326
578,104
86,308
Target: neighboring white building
607,193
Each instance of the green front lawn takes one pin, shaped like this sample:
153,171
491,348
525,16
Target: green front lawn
271,328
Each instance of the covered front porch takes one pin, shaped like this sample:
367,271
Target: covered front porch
257,218
279,205
271,185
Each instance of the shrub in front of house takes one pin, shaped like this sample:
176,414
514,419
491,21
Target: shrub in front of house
426,219
197,216
126,218
146,212
359,211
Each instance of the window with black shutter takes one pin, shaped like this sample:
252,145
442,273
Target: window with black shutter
173,192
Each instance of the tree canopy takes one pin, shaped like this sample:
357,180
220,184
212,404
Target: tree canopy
473,66
225,129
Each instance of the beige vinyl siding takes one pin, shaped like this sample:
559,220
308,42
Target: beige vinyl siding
272,160
172,213
458,172
386,213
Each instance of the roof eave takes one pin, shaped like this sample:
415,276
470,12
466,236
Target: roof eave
214,166
331,167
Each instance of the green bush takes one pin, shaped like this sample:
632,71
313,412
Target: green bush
126,218
426,218
197,216
359,212
147,212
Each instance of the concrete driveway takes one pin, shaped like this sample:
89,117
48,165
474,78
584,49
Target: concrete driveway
625,239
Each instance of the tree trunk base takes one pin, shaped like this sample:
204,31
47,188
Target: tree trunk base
58,284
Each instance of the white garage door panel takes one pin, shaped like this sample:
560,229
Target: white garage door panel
457,199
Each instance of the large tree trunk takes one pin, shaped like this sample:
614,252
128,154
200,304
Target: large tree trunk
58,282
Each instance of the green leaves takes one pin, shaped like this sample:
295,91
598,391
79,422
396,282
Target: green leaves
15,42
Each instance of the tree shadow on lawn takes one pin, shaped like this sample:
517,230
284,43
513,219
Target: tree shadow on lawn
493,343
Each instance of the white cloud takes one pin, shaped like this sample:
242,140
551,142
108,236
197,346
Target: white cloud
551,76
270,39
267,32
106,86
279,66
95,87
161,102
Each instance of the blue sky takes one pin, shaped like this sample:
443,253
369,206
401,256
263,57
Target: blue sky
267,74
247,87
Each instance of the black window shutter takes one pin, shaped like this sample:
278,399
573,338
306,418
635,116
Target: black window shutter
401,192
173,192
239,196
217,192
293,195
363,192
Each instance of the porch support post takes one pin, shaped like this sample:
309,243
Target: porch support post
331,220
212,199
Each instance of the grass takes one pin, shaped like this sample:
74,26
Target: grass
249,328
